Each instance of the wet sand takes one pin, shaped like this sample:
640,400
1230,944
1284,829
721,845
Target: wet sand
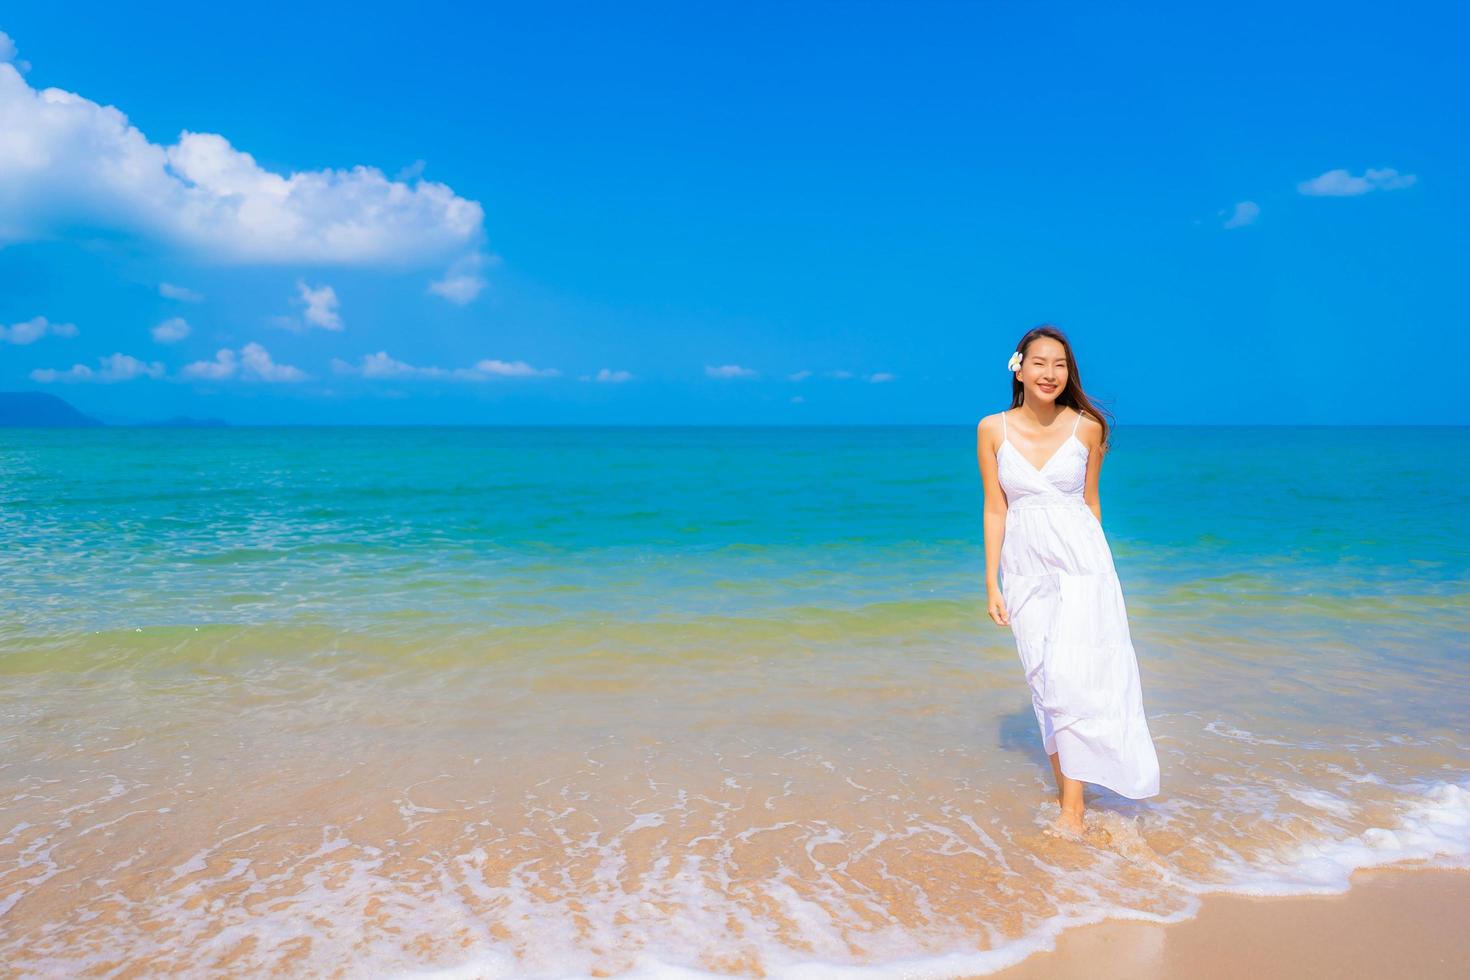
1394,922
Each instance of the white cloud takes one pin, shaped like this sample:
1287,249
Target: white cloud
381,365
253,363
463,282
841,375
8,52
512,369
223,366
115,367
729,371
321,306
1244,213
67,160
170,330
606,376
171,291
1340,183
32,330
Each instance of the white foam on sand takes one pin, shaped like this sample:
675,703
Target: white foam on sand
688,910
1432,826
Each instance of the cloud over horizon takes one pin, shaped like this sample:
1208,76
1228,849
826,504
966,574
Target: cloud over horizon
1244,213
321,305
381,365
728,371
32,330
182,293
252,363
67,160
115,367
171,330
1340,183
463,282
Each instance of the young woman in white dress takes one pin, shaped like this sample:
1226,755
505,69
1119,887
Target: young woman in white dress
1050,578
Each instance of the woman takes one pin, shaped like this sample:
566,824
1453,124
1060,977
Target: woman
1049,576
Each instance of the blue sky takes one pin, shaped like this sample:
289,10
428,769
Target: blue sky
689,213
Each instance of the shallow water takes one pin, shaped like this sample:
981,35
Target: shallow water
569,702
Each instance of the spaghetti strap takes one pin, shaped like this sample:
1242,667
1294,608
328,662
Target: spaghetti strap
1077,423
1002,426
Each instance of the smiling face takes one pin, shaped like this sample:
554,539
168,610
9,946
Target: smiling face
1043,371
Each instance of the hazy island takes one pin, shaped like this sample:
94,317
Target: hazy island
39,409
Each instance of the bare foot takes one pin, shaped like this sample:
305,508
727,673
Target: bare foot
1097,836
1069,824
1052,830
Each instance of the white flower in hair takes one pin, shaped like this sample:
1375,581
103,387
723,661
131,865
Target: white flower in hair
1015,364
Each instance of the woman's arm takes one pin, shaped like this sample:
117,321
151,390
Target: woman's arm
987,441
1089,431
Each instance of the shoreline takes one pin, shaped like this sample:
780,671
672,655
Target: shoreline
1394,920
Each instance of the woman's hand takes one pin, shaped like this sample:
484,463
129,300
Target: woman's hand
998,609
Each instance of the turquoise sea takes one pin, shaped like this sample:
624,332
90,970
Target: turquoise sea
687,701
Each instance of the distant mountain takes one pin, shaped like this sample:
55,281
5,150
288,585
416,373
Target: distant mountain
37,408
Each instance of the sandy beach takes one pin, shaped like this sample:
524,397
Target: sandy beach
1400,921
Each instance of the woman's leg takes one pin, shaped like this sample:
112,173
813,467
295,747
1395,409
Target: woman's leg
1069,797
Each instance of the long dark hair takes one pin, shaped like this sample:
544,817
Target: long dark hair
1072,394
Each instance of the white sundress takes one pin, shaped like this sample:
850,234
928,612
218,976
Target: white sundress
1071,625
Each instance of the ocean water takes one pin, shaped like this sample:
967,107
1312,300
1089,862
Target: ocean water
569,702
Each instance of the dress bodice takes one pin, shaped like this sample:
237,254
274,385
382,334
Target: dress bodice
1059,480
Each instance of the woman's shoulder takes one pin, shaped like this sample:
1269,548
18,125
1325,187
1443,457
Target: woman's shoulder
989,422
1090,430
